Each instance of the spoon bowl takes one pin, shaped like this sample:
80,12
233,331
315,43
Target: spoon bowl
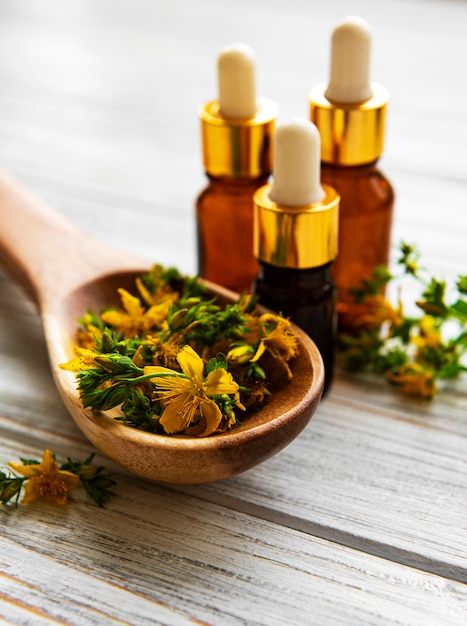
67,272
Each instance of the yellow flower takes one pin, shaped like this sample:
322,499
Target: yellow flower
187,398
87,335
163,293
374,311
135,320
46,480
429,335
412,378
275,336
83,360
166,351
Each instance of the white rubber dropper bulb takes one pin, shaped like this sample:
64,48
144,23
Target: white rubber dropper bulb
236,68
350,62
296,169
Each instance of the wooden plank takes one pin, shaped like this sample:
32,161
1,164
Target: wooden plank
157,556
373,471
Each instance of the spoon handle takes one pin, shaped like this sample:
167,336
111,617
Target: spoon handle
45,252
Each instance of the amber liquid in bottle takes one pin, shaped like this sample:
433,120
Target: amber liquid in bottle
365,221
224,211
308,298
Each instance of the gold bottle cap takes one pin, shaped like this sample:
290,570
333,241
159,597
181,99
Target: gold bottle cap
237,128
350,112
295,219
297,237
238,148
351,134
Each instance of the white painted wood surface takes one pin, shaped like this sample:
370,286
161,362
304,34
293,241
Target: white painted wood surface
363,519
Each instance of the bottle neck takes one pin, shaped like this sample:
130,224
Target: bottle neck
237,184
310,277
363,167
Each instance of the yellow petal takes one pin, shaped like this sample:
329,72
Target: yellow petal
213,416
83,360
26,470
48,463
191,363
131,304
259,352
143,290
157,314
115,318
31,492
71,480
157,369
178,414
218,382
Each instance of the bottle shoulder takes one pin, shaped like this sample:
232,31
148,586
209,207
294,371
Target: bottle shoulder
365,184
221,192
233,185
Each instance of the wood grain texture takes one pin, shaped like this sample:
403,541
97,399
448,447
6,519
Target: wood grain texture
363,519
390,480
202,561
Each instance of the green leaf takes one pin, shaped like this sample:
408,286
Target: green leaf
10,487
95,481
254,371
216,363
433,298
107,398
373,285
462,284
138,411
404,330
409,258
452,370
459,309
117,363
91,318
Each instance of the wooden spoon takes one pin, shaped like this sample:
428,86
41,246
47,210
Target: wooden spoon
66,271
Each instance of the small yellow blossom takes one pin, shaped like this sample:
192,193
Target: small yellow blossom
429,336
46,480
83,360
373,312
86,338
274,334
135,320
414,379
163,293
187,398
166,351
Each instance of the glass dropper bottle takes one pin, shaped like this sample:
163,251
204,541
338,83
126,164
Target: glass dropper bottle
350,113
295,238
237,131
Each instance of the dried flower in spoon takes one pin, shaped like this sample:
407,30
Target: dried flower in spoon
173,361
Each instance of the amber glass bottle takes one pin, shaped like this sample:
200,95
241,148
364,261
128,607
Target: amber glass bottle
350,113
225,231
237,132
365,224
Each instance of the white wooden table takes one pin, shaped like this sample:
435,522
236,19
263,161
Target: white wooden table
363,519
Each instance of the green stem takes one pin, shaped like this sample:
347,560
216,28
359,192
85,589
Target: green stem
139,379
